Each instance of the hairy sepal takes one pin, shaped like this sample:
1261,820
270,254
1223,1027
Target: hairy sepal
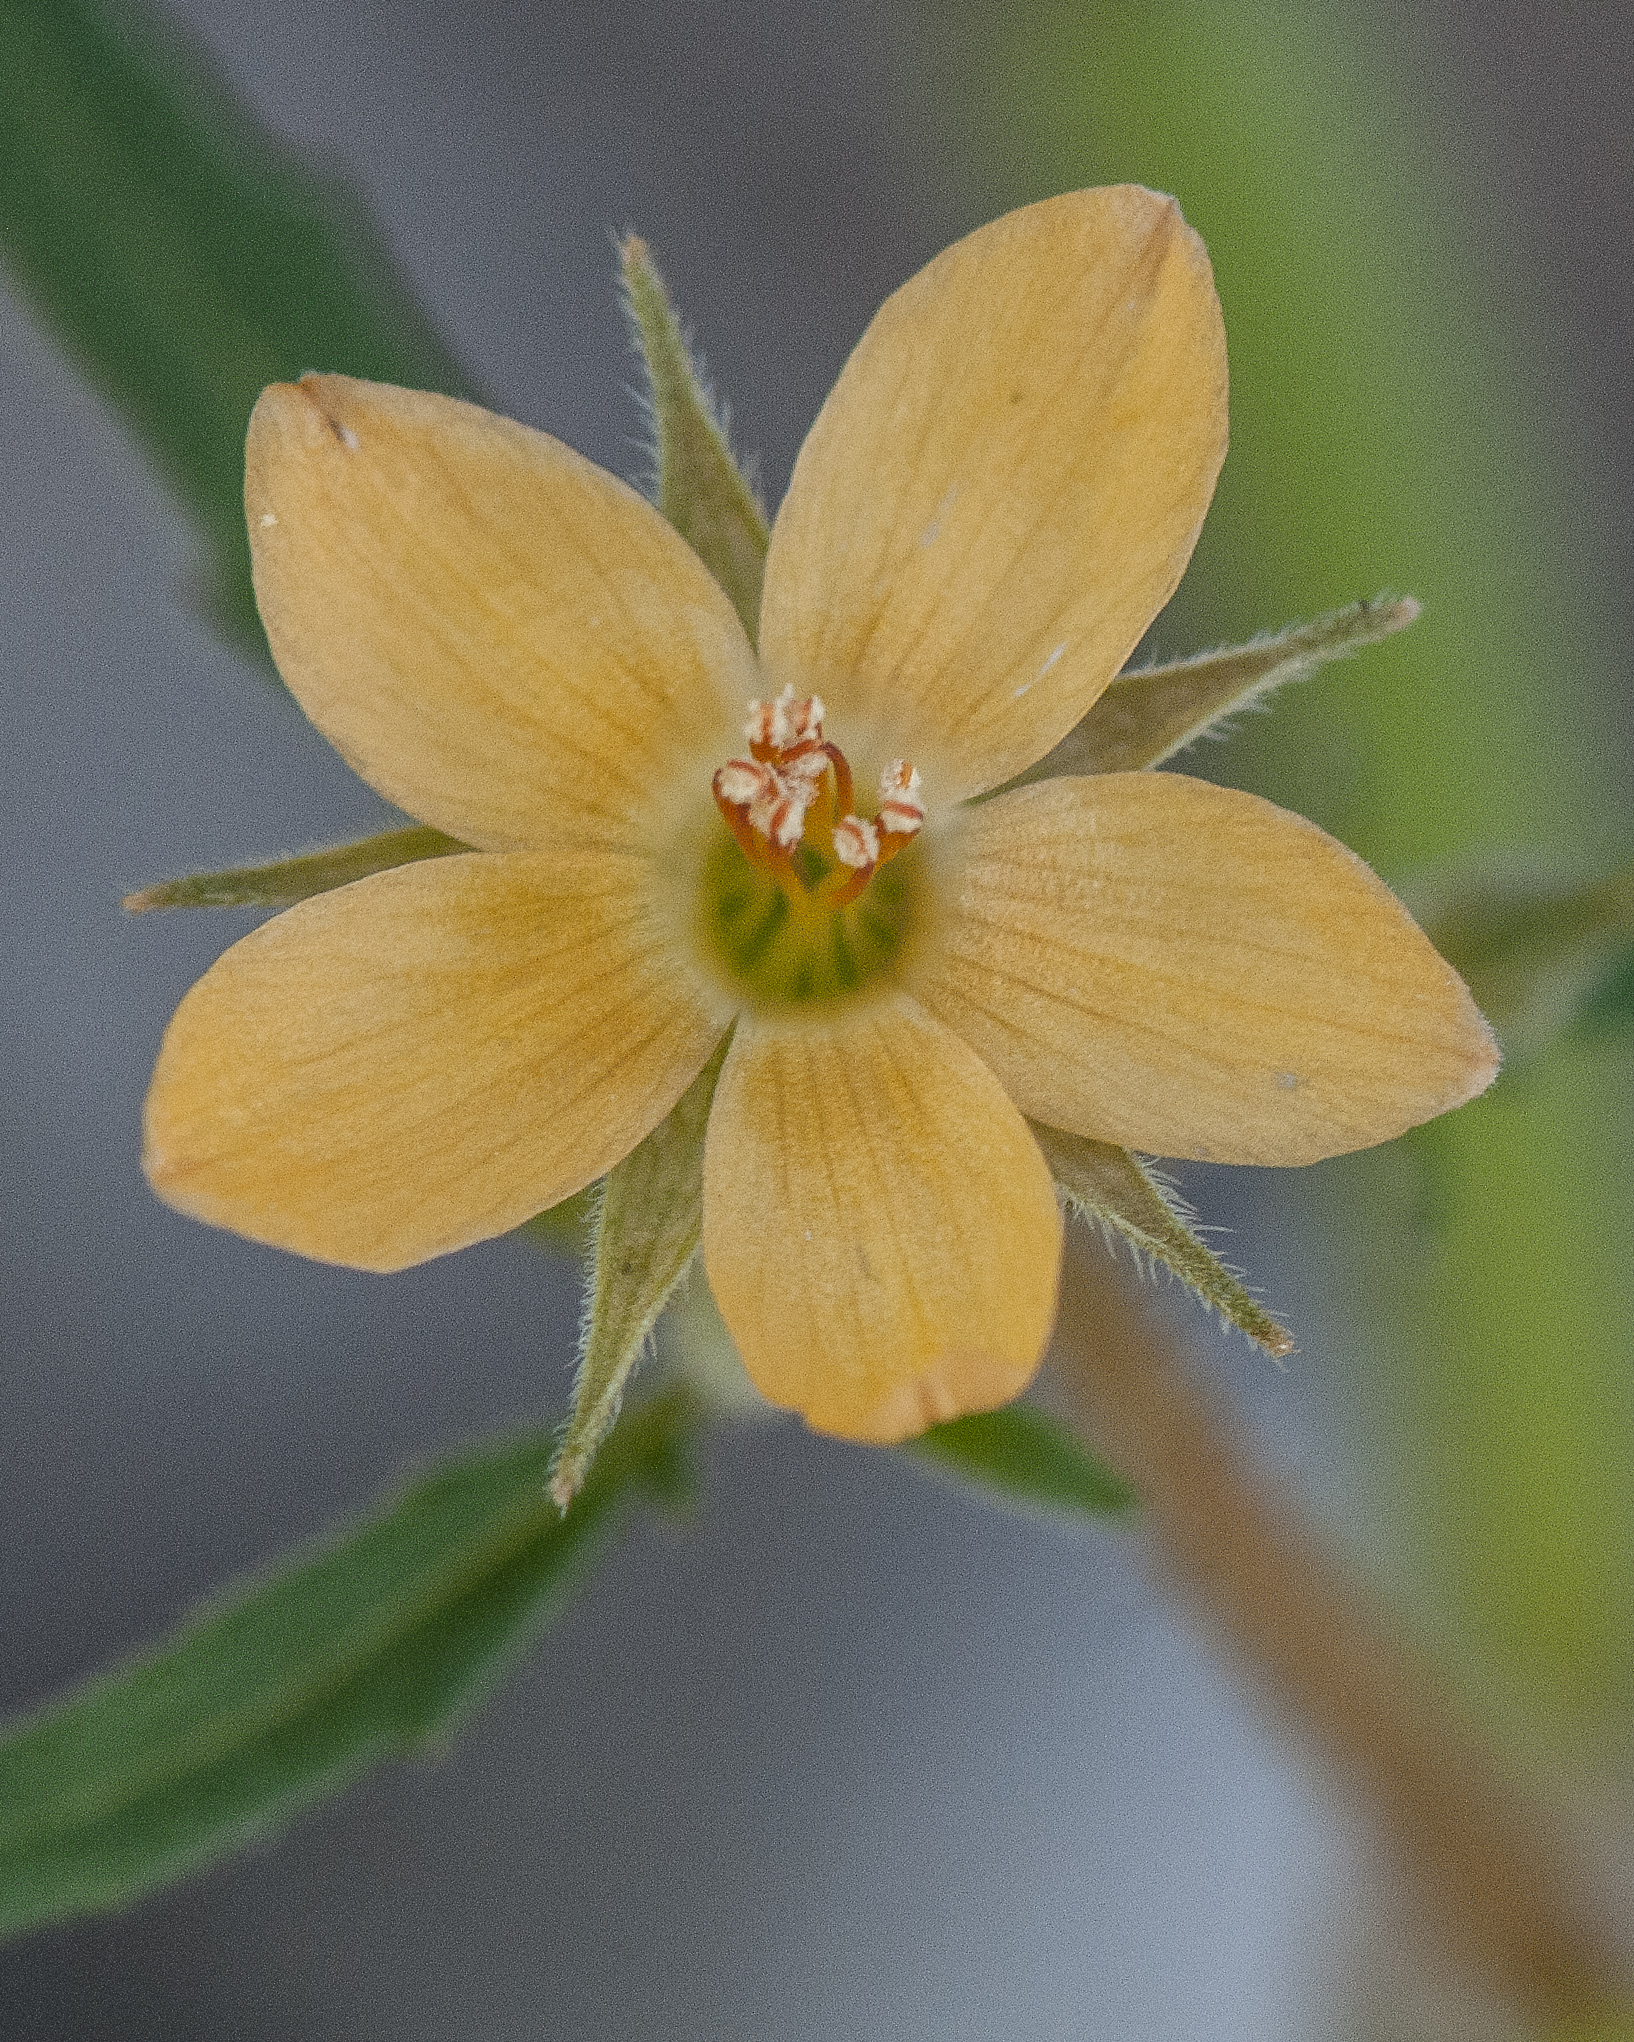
646,1232
697,483
1108,1185
1150,713
288,880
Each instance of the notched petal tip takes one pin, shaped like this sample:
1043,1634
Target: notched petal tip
312,410
502,639
326,397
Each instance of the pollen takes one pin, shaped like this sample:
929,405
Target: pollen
791,805
856,843
901,805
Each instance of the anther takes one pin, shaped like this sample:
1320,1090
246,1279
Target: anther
856,843
739,781
769,798
782,725
901,805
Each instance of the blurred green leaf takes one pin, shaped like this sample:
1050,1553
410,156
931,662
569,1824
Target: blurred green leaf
1609,1002
699,486
1025,1457
1540,955
184,255
646,1232
1149,713
302,1678
1106,1184
1391,418
288,880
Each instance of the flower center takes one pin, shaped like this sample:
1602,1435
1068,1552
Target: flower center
797,904
789,804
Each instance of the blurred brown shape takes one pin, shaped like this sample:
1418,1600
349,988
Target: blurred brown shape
1491,1871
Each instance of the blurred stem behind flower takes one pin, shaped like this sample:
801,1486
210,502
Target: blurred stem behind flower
1500,1887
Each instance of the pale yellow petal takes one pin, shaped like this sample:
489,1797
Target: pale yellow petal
1189,971
501,638
1003,488
426,1058
880,1231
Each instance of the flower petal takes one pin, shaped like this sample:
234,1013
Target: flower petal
1186,970
425,1058
1004,487
501,638
880,1231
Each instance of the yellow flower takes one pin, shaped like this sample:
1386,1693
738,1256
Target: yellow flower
1001,492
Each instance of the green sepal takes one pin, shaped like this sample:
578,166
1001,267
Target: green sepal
697,483
288,880
1025,1457
1543,956
567,1228
1149,714
186,256
300,1679
1108,1185
646,1231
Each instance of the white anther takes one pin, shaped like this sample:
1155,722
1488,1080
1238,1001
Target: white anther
901,805
805,719
808,763
782,718
740,780
774,802
856,843
779,810
782,724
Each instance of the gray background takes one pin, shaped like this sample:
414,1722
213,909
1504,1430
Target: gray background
851,1756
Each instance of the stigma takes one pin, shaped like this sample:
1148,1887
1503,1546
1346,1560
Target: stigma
792,807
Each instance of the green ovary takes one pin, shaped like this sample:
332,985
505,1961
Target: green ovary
781,949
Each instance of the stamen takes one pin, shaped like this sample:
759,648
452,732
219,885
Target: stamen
901,805
778,810
769,799
781,725
856,843
808,761
739,781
